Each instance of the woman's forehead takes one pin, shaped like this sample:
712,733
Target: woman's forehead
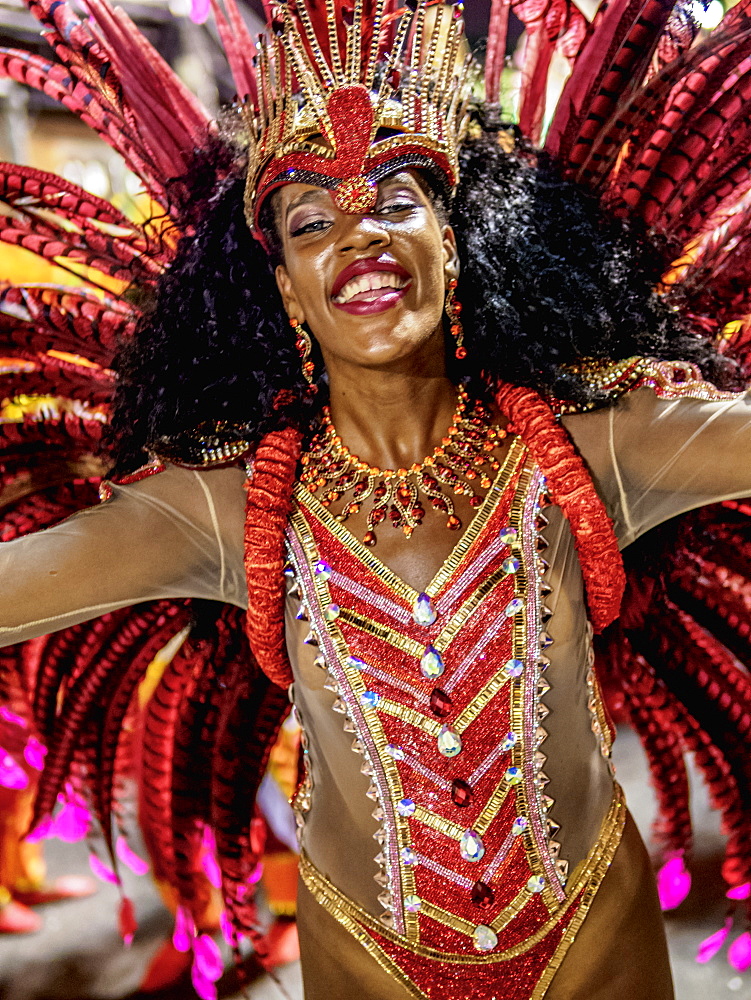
293,194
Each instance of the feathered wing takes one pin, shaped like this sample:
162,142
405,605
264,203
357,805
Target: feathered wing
654,119
56,350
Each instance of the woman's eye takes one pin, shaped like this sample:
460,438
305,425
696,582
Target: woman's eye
311,226
393,207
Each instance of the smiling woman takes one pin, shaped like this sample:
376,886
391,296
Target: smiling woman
371,288
404,394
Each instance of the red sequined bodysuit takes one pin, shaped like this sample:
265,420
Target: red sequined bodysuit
443,695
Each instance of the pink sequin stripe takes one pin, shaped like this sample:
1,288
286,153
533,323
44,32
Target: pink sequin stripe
469,660
402,615
425,771
492,757
500,857
531,677
468,577
381,675
370,751
439,869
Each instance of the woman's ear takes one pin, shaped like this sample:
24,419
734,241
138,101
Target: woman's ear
450,254
291,304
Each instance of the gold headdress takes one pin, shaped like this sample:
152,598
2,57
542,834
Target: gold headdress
349,91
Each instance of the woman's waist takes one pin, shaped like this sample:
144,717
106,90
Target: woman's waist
445,888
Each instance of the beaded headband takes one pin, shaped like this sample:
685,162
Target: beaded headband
350,91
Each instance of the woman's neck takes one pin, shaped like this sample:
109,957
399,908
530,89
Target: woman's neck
391,420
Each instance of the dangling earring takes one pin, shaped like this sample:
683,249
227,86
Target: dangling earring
453,311
304,346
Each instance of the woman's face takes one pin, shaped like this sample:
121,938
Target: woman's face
370,288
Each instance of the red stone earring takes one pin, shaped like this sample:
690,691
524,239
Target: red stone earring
304,346
453,311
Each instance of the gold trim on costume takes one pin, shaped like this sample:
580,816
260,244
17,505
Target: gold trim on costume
369,559
588,879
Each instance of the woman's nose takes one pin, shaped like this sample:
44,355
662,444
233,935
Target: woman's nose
363,232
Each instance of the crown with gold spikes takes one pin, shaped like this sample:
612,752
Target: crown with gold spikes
350,91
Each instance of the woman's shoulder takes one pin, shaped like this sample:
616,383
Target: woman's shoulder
210,445
612,382
210,452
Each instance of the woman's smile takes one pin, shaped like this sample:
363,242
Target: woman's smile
370,285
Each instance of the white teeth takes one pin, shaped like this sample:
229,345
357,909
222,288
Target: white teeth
369,282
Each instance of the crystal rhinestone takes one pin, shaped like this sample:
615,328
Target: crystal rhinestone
449,742
509,535
440,703
431,663
510,565
514,775
536,883
405,807
471,846
395,751
322,570
461,792
485,938
356,662
519,825
412,904
514,668
513,607
509,741
331,612
370,699
482,895
423,611
545,640
408,856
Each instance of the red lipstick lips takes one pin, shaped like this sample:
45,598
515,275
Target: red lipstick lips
374,300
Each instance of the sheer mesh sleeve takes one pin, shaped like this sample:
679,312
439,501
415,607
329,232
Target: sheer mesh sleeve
652,458
174,534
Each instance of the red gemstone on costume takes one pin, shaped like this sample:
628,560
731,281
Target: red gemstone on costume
482,895
440,703
461,353
369,539
461,794
454,523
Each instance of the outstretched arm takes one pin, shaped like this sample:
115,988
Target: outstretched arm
174,534
652,458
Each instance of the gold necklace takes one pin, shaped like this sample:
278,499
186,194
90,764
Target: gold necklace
464,455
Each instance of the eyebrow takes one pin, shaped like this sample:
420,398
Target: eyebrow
304,199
